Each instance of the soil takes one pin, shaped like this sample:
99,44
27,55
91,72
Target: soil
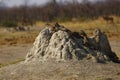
50,70
12,53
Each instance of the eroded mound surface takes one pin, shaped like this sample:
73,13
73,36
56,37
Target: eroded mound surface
60,44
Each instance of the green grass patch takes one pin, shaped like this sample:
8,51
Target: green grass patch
8,24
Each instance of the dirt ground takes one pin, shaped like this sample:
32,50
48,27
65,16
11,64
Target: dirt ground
68,70
116,47
9,54
71,70
14,51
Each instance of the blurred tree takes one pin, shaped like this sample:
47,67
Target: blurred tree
54,1
26,18
53,10
85,1
2,4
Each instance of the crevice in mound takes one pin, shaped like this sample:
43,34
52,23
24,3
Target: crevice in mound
58,43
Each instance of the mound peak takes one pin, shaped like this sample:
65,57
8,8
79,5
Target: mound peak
60,44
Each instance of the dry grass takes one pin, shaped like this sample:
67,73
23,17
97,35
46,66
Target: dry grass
18,37
112,30
89,25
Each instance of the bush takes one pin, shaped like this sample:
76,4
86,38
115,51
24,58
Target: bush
8,24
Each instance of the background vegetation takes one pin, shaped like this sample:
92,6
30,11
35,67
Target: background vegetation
61,12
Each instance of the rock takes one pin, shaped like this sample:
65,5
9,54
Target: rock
61,44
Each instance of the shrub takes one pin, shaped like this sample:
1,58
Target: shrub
8,24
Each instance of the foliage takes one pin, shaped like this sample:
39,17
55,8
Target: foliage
8,24
60,12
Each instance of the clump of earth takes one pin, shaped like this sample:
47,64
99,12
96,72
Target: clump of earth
55,42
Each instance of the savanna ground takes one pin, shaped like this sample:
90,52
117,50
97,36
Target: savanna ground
14,47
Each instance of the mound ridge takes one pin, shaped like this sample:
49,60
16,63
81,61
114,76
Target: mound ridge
60,44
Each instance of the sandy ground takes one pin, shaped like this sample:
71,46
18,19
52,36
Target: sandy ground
51,70
115,45
72,70
69,70
9,54
15,52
